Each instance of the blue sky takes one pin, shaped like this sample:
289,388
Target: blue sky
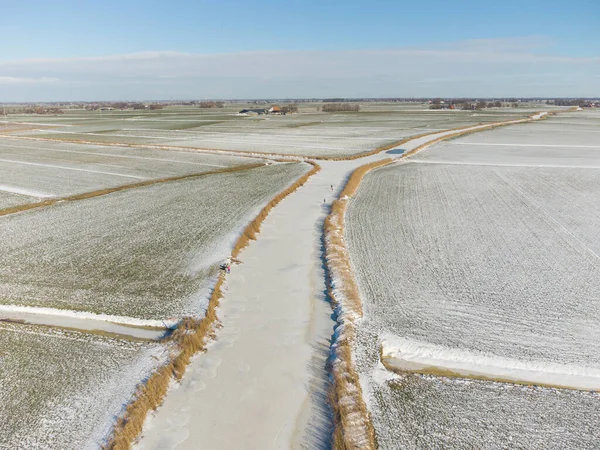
199,49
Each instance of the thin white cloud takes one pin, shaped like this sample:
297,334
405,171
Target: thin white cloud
487,67
26,80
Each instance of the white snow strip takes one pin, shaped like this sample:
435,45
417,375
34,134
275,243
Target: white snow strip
495,164
84,325
71,168
131,321
23,191
421,357
497,144
45,124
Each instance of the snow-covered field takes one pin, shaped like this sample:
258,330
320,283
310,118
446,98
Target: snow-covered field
568,139
428,412
147,253
308,133
485,258
62,389
34,170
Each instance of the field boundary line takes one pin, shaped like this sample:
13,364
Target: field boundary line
353,427
29,163
501,144
106,191
75,152
491,164
189,338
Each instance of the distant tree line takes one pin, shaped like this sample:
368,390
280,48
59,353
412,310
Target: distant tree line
583,103
467,104
211,104
122,106
289,109
34,110
341,107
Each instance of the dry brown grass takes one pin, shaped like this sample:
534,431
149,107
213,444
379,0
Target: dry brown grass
189,338
353,426
86,195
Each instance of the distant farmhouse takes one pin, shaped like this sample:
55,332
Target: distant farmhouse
253,112
259,112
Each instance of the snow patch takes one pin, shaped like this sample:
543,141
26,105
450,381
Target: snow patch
414,356
24,191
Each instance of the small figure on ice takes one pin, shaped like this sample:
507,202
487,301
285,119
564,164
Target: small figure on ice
226,265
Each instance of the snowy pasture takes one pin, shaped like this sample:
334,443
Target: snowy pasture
147,253
483,255
35,170
310,133
571,139
416,412
53,379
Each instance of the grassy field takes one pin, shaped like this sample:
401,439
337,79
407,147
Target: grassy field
427,412
310,132
61,389
148,253
31,171
488,250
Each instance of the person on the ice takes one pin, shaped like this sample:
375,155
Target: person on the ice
228,268
332,188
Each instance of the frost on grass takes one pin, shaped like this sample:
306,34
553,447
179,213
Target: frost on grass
494,260
9,199
503,260
308,133
148,253
416,412
62,389
59,169
570,140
